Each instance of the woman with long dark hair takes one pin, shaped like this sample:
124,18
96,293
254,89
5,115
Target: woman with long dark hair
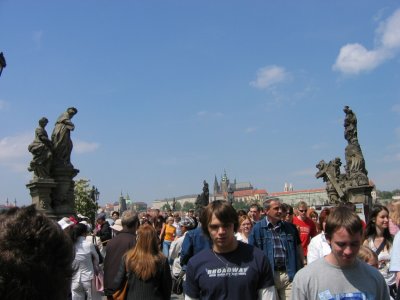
149,274
379,240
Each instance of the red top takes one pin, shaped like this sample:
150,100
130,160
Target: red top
307,230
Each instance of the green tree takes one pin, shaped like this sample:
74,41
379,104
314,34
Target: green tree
384,194
240,205
84,204
187,205
166,207
178,206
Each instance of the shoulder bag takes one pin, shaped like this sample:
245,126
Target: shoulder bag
121,293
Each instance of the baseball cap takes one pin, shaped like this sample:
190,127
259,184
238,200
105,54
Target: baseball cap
187,222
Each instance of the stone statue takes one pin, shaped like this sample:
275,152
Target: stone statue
350,124
173,204
203,199
41,149
340,187
61,138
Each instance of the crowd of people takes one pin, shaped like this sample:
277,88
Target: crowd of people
273,251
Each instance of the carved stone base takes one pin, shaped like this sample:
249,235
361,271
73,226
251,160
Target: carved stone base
63,200
360,194
41,190
55,196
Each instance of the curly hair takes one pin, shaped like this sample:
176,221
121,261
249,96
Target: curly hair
35,256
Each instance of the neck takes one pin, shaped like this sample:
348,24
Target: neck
272,220
228,248
379,232
330,258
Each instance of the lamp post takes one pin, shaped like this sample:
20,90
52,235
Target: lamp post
2,62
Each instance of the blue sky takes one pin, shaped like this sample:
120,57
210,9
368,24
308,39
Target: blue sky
170,93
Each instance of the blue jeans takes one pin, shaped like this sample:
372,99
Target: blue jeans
165,248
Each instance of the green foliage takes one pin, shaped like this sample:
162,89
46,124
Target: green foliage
165,207
384,194
84,204
178,206
188,205
240,205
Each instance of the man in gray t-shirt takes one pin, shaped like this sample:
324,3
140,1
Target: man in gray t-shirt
340,275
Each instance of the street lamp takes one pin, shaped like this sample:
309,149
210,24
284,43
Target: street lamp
2,62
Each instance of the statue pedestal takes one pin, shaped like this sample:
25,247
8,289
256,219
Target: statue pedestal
63,199
55,196
41,190
360,194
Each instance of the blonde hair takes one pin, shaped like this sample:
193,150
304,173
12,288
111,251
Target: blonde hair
145,258
367,255
394,213
244,218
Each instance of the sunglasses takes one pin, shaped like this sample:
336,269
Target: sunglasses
302,210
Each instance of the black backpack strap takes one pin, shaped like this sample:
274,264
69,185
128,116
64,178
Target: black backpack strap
381,246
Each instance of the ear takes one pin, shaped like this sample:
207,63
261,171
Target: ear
327,239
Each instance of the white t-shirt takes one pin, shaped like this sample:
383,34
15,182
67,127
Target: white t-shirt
384,263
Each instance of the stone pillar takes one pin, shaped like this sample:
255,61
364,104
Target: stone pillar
360,194
63,199
41,192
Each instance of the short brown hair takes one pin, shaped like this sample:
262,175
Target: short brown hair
342,217
31,258
223,211
301,203
267,203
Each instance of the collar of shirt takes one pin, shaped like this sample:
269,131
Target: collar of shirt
270,225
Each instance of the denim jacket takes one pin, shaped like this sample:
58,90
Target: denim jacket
193,243
261,237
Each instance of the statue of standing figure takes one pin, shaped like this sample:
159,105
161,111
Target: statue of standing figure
41,149
61,138
203,199
356,175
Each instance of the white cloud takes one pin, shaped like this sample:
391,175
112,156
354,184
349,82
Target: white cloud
14,154
355,58
81,147
14,147
390,31
269,76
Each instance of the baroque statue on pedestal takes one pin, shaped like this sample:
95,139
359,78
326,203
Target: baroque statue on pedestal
356,175
41,149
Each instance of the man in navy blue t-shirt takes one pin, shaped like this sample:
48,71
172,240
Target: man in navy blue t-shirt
230,269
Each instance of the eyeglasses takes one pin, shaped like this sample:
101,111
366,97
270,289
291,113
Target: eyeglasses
302,210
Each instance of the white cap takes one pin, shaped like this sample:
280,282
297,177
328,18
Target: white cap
117,225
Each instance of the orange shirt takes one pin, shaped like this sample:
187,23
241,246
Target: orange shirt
169,232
